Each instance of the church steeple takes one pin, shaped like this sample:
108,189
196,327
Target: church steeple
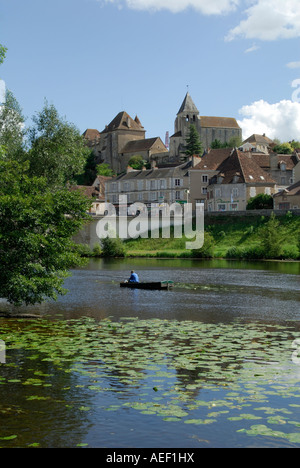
188,106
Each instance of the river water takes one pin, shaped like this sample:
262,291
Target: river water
211,363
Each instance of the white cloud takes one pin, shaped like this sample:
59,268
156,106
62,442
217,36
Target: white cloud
211,7
252,49
280,120
293,65
269,20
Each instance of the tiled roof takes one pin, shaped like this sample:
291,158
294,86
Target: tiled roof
88,190
92,134
242,164
292,190
218,122
143,145
260,139
123,121
212,160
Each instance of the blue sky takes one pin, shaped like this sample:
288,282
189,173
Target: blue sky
95,58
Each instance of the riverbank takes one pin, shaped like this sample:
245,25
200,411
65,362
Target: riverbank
225,237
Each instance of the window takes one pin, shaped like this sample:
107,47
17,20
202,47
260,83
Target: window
235,192
153,184
126,186
233,207
140,185
252,192
162,184
283,167
284,206
178,195
268,190
282,180
140,196
153,196
114,187
218,193
204,179
221,207
204,190
177,182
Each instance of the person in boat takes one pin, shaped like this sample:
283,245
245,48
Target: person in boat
133,277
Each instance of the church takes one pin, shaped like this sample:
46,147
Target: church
124,137
209,128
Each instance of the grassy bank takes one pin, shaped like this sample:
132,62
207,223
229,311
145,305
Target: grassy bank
227,237
244,237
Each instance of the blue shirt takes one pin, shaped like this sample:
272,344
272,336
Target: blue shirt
134,278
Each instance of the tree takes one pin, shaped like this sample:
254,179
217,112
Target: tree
271,238
193,143
57,149
105,170
37,225
12,127
3,51
137,162
283,148
260,202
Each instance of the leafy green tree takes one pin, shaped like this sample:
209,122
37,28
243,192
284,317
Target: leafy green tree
271,238
295,144
112,247
105,170
137,162
12,130
37,225
193,143
57,149
260,202
3,51
283,148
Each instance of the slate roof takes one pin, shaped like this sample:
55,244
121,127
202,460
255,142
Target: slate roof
188,105
157,173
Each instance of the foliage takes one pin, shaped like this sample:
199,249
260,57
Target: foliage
36,229
271,238
58,150
3,51
90,171
137,162
234,142
12,127
207,250
193,143
283,148
105,170
260,202
112,247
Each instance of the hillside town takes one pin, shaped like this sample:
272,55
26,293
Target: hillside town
224,178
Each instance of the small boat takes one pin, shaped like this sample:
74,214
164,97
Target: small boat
155,285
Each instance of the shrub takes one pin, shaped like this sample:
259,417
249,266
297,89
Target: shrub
260,202
97,251
271,238
207,250
112,247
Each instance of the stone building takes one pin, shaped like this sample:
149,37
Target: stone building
239,178
288,199
209,128
121,139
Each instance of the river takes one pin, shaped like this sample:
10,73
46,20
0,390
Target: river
211,363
